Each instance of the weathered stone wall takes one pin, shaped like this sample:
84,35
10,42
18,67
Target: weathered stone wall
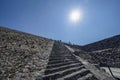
112,42
22,56
105,52
108,57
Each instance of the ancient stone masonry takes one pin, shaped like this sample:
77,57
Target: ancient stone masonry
22,55
63,66
28,57
105,52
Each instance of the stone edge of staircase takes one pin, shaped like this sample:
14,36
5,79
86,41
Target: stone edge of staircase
101,75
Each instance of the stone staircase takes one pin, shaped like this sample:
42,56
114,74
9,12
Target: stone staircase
64,66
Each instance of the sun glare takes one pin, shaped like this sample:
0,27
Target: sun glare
75,16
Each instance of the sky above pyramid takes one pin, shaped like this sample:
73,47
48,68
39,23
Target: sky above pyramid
51,18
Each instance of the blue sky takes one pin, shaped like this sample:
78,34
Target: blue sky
49,18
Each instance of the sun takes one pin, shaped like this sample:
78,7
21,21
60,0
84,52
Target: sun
75,16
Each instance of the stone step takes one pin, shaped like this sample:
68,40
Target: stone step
61,68
53,59
75,75
63,73
60,56
58,61
86,77
72,70
61,64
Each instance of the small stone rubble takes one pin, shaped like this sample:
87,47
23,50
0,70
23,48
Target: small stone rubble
22,56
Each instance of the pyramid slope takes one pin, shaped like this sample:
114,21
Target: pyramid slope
22,55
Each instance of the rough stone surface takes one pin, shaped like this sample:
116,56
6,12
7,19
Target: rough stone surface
22,56
105,52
